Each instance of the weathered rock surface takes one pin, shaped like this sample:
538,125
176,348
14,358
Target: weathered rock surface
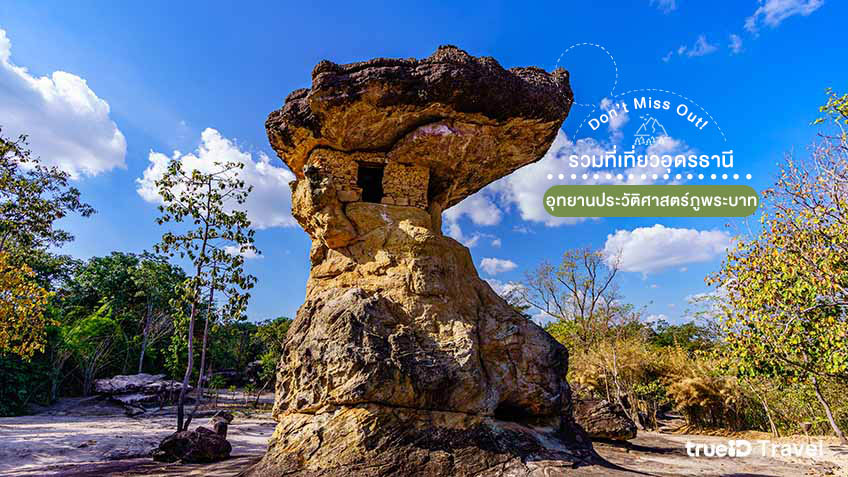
402,361
135,390
604,420
193,447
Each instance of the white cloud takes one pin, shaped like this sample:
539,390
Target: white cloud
698,297
453,230
478,207
269,204
67,123
665,6
651,319
651,249
481,210
524,187
654,285
702,47
668,56
248,254
617,118
773,12
735,44
493,266
505,289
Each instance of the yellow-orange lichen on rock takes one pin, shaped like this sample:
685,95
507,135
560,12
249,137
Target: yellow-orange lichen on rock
402,361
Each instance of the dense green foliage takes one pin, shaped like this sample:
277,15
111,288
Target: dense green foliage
119,314
101,311
785,316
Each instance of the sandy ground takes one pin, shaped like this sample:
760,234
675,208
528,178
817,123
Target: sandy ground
81,438
90,437
665,455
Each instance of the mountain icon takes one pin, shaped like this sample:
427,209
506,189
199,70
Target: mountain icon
649,131
651,124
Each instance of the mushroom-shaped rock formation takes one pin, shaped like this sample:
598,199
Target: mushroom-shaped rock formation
402,361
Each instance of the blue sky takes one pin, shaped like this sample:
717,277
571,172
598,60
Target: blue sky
169,71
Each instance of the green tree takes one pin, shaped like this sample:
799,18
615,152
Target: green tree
217,237
156,282
32,198
138,288
688,336
272,335
787,311
22,303
92,340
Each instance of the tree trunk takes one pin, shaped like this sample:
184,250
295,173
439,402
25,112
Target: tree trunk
187,376
144,337
202,354
827,411
618,392
205,335
774,431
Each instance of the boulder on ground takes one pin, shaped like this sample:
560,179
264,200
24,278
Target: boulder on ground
135,390
604,420
193,447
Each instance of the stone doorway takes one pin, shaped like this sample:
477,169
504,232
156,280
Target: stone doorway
369,178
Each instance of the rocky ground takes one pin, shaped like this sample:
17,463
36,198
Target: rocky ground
78,438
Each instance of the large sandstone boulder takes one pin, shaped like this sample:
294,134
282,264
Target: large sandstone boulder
402,361
604,420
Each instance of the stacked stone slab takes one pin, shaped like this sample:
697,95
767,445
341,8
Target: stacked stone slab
137,390
402,361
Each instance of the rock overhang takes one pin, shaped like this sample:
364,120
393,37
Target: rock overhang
454,122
